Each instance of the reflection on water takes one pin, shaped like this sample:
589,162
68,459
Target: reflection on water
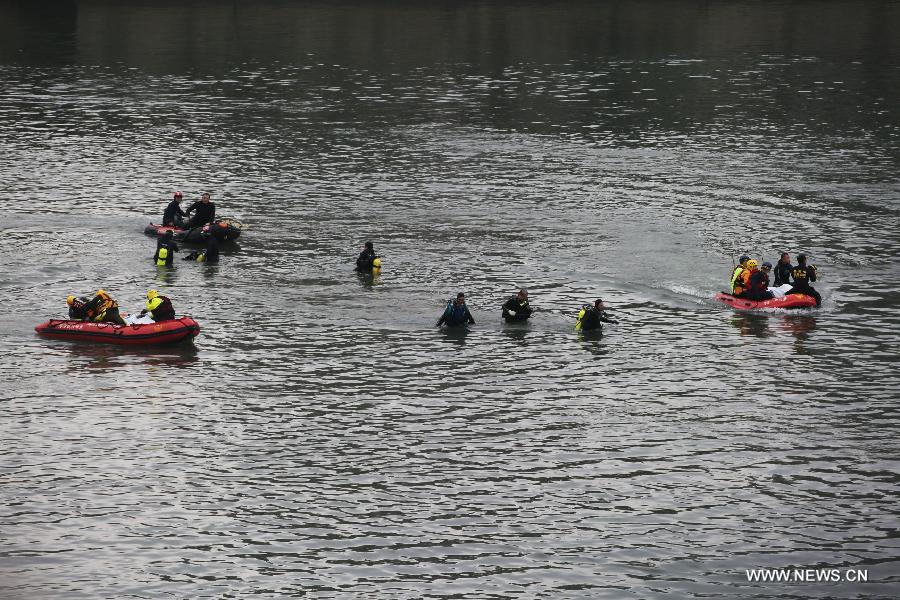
166,274
110,356
454,335
800,326
751,323
368,280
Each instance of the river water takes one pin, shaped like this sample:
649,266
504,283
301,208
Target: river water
321,438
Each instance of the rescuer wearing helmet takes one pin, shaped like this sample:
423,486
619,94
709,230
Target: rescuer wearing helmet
102,309
736,287
743,282
76,307
173,216
159,307
758,284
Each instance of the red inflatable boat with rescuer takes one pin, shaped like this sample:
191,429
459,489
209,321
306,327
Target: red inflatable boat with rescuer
148,334
789,301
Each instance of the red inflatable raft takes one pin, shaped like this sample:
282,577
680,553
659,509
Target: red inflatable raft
164,332
789,301
225,229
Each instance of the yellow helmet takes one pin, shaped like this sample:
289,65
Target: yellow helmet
376,264
102,294
152,294
752,264
70,300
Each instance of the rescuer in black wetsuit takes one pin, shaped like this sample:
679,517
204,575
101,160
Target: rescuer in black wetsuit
165,250
173,216
803,275
456,313
593,317
517,307
366,259
210,254
205,212
782,270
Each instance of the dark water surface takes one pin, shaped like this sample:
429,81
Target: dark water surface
321,439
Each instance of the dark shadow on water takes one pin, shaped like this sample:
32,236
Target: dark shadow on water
751,324
800,326
515,330
209,270
166,275
455,335
592,341
368,280
110,356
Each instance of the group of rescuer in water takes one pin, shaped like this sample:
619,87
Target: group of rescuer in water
204,213
101,308
750,280
515,309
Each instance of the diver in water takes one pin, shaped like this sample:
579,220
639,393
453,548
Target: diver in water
165,250
210,254
366,259
173,216
593,317
803,275
517,307
456,313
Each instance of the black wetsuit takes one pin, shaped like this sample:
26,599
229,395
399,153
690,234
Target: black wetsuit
77,311
455,315
522,310
802,276
173,215
206,213
365,260
211,255
169,245
758,287
594,319
782,272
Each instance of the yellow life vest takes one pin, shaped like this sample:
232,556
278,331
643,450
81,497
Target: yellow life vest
581,314
153,303
161,257
736,279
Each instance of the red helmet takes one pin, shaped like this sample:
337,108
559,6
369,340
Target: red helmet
179,195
